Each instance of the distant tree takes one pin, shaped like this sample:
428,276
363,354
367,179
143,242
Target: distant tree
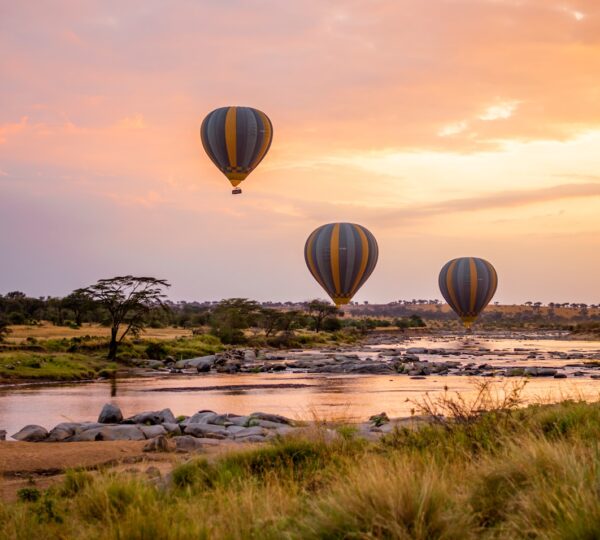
79,303
332,324
290,320
416,321
319,310
128,300
270,319
4,329
231,317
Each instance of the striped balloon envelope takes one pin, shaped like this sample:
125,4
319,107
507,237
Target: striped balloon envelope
341,257
236,139
468,284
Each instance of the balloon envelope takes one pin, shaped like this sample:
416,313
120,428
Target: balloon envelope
468,284
236,139
341,257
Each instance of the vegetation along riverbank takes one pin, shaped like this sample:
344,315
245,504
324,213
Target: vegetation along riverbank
504,473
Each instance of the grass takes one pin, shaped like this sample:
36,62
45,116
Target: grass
52,366
535,474
84,357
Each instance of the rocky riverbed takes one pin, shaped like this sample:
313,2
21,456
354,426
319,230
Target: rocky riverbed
384,355
165,432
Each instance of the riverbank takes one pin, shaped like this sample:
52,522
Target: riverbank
507,473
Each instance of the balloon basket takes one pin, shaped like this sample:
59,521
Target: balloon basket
236,191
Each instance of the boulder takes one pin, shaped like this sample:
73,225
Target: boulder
159,444
172,428
201,417
187,443
209,431
2,434
146,417
110,414
167,416
31,433
272,418
111,433
223,419
153,431
249,432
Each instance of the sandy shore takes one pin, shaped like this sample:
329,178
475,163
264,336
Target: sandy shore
44,464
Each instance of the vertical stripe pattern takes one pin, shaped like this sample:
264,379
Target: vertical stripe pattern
236,140
341,257
468,284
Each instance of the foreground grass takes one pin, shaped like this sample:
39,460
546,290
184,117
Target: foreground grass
526,473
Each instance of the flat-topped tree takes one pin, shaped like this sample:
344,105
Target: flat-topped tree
128,300
319,310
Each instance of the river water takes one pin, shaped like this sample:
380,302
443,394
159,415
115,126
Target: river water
301,395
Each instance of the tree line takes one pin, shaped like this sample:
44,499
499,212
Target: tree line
128,304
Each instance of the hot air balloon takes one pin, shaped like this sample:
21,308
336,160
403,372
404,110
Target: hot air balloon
236,139
468,284
341,257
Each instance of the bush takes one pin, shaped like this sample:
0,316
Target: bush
156,350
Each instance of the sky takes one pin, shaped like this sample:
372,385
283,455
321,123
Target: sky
447,128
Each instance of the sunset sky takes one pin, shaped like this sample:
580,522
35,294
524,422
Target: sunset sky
447,128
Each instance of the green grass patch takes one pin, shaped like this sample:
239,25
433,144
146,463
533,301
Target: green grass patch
51,366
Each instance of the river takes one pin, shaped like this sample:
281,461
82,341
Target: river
301,395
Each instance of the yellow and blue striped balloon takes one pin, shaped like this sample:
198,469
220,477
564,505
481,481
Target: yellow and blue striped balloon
468,284
236,139
341,257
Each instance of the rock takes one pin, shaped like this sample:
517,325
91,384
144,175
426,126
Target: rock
208,360
560,376
187,443
235,429
158,444
416,350
31,433
167,416
202,417
147,417
417,377
270,425
272,418
63,431
111,433
172,428
222,419
209,431
252,438
2,434
249,432
110,414
240,420
151,432
154,364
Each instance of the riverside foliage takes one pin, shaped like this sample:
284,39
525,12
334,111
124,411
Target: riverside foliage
532,475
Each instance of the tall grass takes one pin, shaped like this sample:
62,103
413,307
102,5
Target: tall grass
535,474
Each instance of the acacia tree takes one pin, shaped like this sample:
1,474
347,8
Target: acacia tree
128,300
319,310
